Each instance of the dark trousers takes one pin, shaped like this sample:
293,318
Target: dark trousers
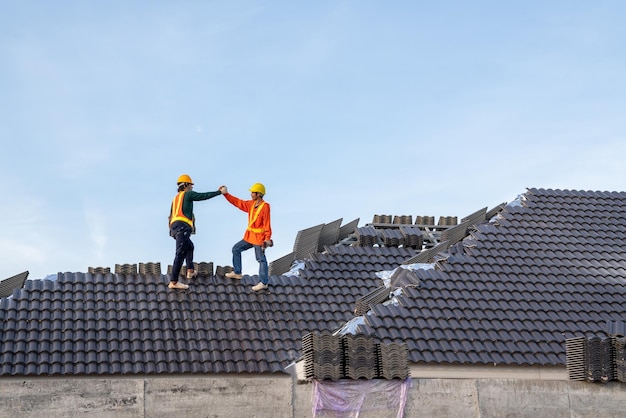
181,232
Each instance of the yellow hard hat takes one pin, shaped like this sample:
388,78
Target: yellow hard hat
184,178
258,188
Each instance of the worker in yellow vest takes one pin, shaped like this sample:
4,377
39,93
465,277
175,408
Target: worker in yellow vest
258,234
182,225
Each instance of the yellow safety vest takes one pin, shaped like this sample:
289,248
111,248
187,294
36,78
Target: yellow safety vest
177,210
252,216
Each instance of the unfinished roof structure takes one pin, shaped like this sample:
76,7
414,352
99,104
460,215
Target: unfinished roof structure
505,286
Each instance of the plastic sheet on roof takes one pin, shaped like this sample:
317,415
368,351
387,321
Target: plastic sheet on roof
350,326
349,398
386,274
517,202
295,268
394,297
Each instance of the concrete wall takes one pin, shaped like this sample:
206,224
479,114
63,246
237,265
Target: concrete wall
274,397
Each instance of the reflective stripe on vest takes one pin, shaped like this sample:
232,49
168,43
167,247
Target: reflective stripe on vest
177,210
252,217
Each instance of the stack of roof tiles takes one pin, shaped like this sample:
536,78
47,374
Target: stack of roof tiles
329,235
455,233
346,230
126,269
424,220
392,361
333,357
365,303
307,242
360,357
447,220
367,236
312,240
203,269
8,285
99,270
392,237
620,359
599,359
403,219
413,237
382,219
596,359
323,357
151,268
575,352
220,271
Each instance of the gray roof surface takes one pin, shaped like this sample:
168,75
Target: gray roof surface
549,268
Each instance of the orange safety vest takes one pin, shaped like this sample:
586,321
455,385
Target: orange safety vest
177,210
252,216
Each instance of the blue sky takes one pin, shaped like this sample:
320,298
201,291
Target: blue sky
343,109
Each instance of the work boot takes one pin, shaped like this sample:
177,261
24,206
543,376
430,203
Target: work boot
259,286
191,274
233,275
177,285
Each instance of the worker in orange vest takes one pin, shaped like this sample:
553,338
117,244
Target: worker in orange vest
258,234
182,225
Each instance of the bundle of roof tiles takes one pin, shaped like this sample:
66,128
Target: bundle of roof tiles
424,220
99,270
599,359
360,357
403,219
222,270
307,242
392,237
331,357
447,220
382,219
203,269
322,356
126,269
373,298
620,359
392,361
413,237
575,349
150,268
367,236
595,359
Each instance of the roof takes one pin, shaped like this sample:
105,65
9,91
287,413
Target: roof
509,288
548,267
100,323
116,324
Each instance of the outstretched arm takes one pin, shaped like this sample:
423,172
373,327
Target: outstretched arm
195,196
238,203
